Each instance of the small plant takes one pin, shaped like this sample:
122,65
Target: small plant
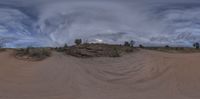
196,45
78,41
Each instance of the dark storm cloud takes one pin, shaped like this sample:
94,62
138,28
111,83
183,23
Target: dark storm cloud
55,22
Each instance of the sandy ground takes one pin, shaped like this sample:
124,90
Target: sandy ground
141,75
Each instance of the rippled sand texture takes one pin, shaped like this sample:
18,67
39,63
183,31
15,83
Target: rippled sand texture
141,75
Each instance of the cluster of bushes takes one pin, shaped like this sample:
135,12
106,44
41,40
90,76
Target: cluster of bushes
65,47
61,49
174,49
196,45
131,43
93,50
33,53
80,49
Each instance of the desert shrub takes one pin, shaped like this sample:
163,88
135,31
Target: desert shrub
98,50
78,41
33,53
79,52
114,53
94,50
128,49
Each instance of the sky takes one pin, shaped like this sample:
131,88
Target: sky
52,23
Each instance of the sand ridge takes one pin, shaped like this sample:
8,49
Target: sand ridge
141,75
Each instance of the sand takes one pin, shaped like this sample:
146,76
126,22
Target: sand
141,75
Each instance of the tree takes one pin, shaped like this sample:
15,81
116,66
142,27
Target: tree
78,41
167,46
196,45
141,46
132,43
66,46
126,43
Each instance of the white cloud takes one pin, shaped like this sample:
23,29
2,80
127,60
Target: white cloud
57,22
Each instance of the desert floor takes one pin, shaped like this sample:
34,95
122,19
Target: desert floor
141,75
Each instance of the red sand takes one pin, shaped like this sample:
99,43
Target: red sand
141,75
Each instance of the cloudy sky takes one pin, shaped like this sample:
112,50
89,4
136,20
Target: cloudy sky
56,22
